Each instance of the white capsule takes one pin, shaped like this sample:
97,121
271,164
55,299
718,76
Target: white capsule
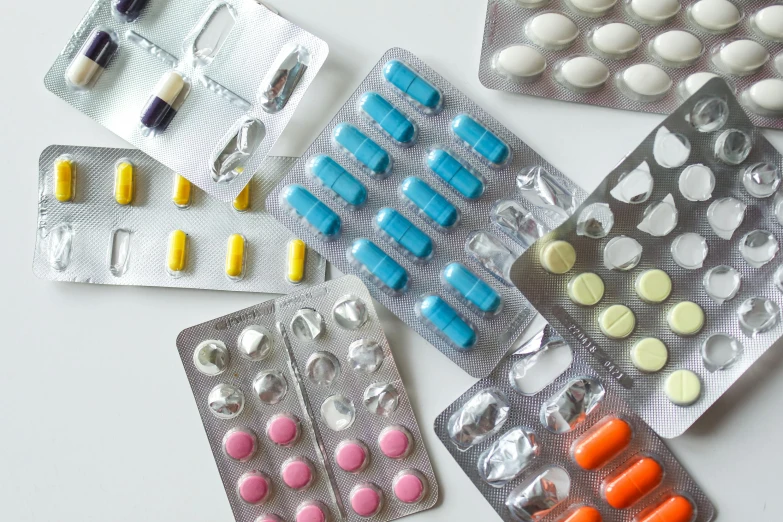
552,30
519,63
583,74
676,48
696,81
645,82
767,95
616,40
654,11
768,22
741,57
593,7
715,15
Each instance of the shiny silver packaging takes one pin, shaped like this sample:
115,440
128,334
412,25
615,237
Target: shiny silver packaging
91,238
687,241
543,439
514,197
218,79
317,360
639,55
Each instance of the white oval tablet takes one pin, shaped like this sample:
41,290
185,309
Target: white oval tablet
646,80
584,72
767,94
519,62
769,22
593,6
552,30
655,11
677,47
616,39
743,56
715,15
696,81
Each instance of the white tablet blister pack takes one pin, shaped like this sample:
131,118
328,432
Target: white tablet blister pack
118,217
205,87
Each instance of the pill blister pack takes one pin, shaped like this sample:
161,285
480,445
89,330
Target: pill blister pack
301,396
218,79
412,187
667,278
117,216
543,439
642,55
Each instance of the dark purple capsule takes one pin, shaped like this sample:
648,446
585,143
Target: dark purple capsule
129,10
160,107
92,59
101,48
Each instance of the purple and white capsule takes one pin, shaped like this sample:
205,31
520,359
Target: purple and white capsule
129,10
92,59
163,104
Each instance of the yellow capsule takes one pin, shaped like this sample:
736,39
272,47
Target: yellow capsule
181,191
64,178
235,257
296,260
176,258
123,182
242,201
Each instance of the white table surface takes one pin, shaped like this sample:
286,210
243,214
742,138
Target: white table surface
97,421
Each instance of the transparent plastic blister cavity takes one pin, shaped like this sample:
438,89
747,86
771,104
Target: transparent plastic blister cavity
118,217
300,396
676,270
195,76
542,439
640,55
466,195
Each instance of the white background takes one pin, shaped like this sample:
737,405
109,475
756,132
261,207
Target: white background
97,422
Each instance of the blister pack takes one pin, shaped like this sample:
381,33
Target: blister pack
411,186
667,278
544,440
641,55
305,410
117,216
218,79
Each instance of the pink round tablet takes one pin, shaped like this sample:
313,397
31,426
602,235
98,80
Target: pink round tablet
351,456
366,500
269,518
409,486
253,487
395,442
297,473
283,429
311,512
239,444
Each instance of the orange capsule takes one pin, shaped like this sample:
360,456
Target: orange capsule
624,488
582,514
601,443
674,509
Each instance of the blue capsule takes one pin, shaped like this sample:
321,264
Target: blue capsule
388,118
481,140
318,216
337,180
368,257
397,229
453,171
416,89
446,321
429,202
363,149
476,293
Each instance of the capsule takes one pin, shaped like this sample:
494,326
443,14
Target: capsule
64,178
235,257
418,91
582,514
378,265
429,202
123,182
623,489
296,261
161,106
92,59
396,228
176,257
674,509
180,192
319,217
481,140
129,10
330,175
440,316
457,174
476,293
242,201
601,443
363,149
388,118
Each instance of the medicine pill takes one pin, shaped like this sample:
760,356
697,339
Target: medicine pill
557,257
352,456
593,7
338,181
242,202
481,140
741,57
617,322
379,266
254,487
654,12
696,81
412,86
440,316
674,509
312,511
176,257
129,10
653,286
475,292
586,289
296,261
601,443
123,182
93,58
682,387
366,499
676,48
429,203
388,118
715,15
767,95
297,473
457,174
519,63
645,82
395,228
161,106
769,22
552,30
240,444
583,74
319,217
685,318
362,149
235,257
64,178
283,429
649,355
409,486
582,514
640,477
180,192
395,442
616,40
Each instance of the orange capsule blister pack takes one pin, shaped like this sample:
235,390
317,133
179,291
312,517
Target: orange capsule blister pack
544,440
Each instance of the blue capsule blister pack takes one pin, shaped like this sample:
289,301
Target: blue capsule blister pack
416,189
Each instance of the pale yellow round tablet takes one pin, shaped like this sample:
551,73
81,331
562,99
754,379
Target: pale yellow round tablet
686,318
558,257
649,355
682,387
653,286
586,289
617,322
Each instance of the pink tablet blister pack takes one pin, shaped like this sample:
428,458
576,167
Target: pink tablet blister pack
305,410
